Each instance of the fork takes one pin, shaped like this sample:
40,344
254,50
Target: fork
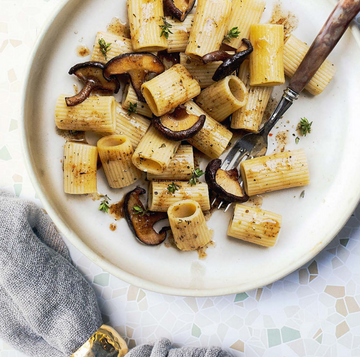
255,145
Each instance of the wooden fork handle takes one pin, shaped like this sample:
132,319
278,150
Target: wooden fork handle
329,36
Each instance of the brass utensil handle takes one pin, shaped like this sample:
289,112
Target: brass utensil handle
329,36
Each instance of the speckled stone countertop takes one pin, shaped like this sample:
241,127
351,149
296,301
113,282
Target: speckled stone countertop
313,312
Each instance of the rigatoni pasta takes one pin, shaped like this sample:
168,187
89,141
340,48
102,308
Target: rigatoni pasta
250,116
266,61
275,172
160,198
170,89
115,152
213,139
210,23
180,167
180,32
223,98
294,52
145,18
154,152
130,98
97,113
80,168
188,225
255,225
118,46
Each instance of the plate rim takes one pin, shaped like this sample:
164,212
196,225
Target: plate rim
102,262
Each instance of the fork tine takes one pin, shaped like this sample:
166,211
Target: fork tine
214,201
227,207
220,204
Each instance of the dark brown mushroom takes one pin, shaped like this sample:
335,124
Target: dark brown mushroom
179,125
137,66
141,221
92,75
178,8
230,63
225,183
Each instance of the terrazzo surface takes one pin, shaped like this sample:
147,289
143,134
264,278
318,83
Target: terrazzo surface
313,312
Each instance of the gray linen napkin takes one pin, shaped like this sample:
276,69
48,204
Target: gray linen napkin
46,307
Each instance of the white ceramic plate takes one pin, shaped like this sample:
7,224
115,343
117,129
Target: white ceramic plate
232,266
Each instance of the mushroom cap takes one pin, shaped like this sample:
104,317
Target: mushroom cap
178,8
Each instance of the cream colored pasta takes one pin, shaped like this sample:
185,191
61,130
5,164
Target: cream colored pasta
154,152
115,153
180,167
250,116
170,89
266,61
179,37
145,18
223,98
118,46
188,225
80,168
210,23
160,198
203,73
275,172
134,126
94,114
130,97
213,139
255,225
244,13
294,52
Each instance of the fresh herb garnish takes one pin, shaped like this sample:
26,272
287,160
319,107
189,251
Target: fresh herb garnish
105,205
233,33
173,187
132,108
104,47
304,126
302,194
297,139
139,210
165,29
195,176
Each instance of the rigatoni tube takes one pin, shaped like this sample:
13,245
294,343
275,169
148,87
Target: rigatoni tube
250,116
94,114
115,153
188,225
160,198
223,98
178,39
154,152
210,23
129,98
267,59
80,168
275,172
145,19
255,225
170,89
180,167
213,139
244,13
294,52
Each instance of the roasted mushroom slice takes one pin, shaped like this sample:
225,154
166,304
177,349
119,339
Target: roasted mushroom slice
230,63
179,125
92,74
141,221
178,8
225,183
137,66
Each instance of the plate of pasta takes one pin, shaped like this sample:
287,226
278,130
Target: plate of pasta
126,121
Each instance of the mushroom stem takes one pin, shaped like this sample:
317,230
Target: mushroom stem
216,56
82,95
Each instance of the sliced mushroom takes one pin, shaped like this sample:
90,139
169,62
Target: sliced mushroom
137,66
225,183
230,63
178,8
179,125
140,221
92,74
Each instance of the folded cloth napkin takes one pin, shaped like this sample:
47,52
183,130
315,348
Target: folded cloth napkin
47,308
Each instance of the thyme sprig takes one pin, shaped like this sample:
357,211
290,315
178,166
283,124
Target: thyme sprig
104,47
165,29
233,33
105,204
195,177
